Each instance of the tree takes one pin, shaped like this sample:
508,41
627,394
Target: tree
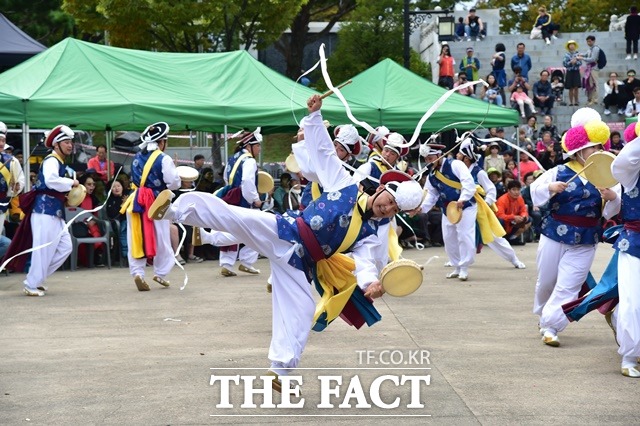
42,19
374,33
518,16
291,45
184,25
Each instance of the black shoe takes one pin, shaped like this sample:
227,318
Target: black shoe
99,260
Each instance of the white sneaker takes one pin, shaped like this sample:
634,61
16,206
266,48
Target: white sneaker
30,292
520,265
548,41
631,372
554,37
607,112
550,338
454,274
448,264
635,56
463,276
627,58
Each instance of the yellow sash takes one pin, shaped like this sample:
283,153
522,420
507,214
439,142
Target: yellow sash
6,174
488,223
234,170
575,166
335,274
137,249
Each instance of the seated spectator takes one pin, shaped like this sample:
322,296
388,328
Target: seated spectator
198,163
633,106
521,139
630,83
543,93
532,127
492,93
91,226
99,164
544,25
126,182
4,245
493,159
512,211
521,98
614,94
557,87
118,220
548,126
281,192
459,29
473,26
462,79
527,165
616,143
512,167
518,79
495,177
551,157
544,144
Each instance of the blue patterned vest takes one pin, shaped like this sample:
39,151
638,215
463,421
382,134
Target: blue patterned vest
578,200
329,218
4,185
629,241
44,203
306,197
237,178
474,170
447,193
155,179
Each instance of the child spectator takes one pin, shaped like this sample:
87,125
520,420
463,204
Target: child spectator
512,211
521,99
557,87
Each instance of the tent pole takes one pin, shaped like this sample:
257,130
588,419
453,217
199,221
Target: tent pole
226,152
25,156
108,140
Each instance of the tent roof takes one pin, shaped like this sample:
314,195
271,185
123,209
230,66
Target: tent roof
398,98
95,87
15,45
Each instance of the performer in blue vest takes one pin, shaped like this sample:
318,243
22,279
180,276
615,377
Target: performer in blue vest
499,244
152,171
11,176
241,177
342,219
45,215
626,169
450,181
571,231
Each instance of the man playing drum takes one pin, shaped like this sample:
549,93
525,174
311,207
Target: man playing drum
152,171
340,220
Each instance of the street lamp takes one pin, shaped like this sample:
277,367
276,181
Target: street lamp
446,28
412,20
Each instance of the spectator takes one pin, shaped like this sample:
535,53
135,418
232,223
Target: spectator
521,98
590,80
459,29
198,163
500,134
507,156
512,211
491,94
282,192
633,106
545,26
526,165
616,143
99,164
470,65
512,167
614,94
534,211
630,83
91,226
551,157
462,79
473,26
498,61
632,32
572,63
543,93
550,127
206,182
518,79
126,182
495,177
118,220
557,86
531,128
447,65
522,60
544,143
494,160
521,139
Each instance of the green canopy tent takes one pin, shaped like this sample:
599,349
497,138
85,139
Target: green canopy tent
398,98
95,87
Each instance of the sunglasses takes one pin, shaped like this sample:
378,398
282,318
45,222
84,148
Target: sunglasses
631,75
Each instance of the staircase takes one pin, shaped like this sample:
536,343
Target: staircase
544,56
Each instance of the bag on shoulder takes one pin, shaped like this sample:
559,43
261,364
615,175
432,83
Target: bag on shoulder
602,59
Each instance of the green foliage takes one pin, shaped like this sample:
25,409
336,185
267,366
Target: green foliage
375,32
518,16
42,19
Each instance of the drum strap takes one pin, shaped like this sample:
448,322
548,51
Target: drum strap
488,223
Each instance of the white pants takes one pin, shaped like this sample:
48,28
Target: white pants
562,269
293,304
3,215
502,247
46,261
246,255
218,238
628,310
460,239
164,259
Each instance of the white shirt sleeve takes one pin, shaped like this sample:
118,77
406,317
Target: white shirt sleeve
248,184
540,187
169,173
468,185
323,160
363,254
52,178
302,158
432,196
363,172
626,166
489,187
15,165
612,208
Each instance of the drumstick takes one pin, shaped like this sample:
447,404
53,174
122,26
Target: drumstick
327,94
583,169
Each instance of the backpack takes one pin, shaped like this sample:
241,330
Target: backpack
602,59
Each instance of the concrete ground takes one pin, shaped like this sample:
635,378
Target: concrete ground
95,350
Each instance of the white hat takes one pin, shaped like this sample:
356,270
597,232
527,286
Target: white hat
3,129
153,134
58,134
431,149
407,192
347,136
467,148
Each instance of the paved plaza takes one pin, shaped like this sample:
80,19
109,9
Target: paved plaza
94,350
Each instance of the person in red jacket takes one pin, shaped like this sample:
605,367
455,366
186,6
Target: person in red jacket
99,164
512,211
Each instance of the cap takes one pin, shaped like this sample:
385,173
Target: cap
58,134
250,138
469,49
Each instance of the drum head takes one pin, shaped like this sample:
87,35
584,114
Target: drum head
401,278
76,195
187,174
599,173
292,164
453,213
265,182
